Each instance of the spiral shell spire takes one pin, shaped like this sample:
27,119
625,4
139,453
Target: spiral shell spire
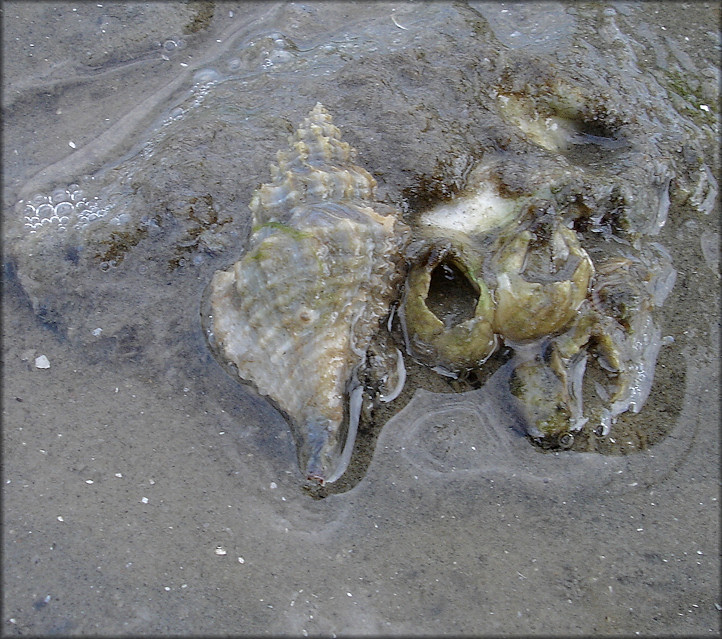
317,167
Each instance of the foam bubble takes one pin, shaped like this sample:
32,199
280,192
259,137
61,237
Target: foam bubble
64,208
60,195
204,76
45,210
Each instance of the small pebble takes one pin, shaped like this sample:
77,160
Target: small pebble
42,362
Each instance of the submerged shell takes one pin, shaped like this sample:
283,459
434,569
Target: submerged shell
297,314
459,334
523,273
543,275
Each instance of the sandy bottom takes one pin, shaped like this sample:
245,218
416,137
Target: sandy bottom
147,499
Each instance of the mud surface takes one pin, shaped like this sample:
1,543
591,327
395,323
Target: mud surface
145,492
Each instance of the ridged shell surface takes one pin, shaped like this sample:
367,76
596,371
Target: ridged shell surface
298,312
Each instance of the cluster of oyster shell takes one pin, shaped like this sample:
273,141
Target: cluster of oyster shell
300,314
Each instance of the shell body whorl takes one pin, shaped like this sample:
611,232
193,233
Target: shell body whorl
297,313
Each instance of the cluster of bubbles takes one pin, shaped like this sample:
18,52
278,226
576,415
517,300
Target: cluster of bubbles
70,207
278,52
203,81
65,207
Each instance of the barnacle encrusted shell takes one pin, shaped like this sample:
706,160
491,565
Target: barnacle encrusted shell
298,312
448,339
526,274
546,404
542,275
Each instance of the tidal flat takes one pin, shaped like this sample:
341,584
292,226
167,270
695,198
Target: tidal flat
147,492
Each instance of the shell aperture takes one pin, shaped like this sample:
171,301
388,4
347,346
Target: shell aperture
297,313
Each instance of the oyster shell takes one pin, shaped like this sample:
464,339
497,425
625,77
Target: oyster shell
542,275
532,285
451,337
298,312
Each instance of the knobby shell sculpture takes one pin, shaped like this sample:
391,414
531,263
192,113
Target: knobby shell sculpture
298,312
306,314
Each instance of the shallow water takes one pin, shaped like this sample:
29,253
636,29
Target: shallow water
458,525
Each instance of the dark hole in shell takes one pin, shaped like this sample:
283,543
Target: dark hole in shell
452,296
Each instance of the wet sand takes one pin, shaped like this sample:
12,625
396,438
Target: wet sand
145,498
